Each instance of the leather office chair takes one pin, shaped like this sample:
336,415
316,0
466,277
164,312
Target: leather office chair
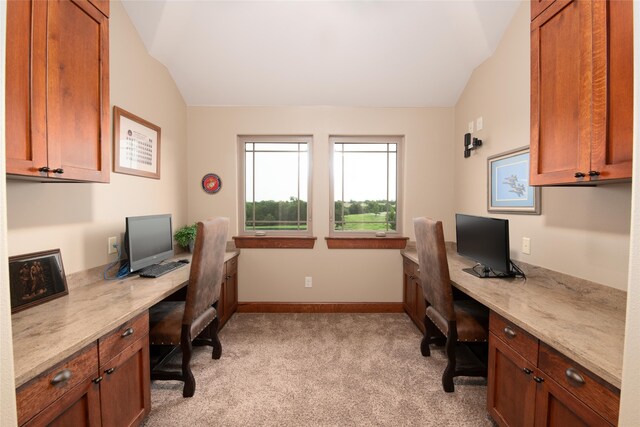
458,320
173,323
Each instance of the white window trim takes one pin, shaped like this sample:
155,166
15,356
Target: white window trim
242,139
355,139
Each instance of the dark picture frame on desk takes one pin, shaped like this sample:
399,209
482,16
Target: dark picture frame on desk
136,145
36,278
508,189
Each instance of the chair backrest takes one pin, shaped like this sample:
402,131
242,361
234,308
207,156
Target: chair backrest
207,266
434,268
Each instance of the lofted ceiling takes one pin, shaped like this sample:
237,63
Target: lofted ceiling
338,53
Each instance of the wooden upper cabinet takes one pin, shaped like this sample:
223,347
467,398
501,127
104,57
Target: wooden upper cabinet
612,138
58,109
581,92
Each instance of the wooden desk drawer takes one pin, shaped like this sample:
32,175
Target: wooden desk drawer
517,338
231,266
589,388
410,267
113,343
40,392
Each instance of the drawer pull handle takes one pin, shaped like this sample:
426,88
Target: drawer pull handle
62,376
109,371
126,333
510,333
527,371
538,379
97,380
574,376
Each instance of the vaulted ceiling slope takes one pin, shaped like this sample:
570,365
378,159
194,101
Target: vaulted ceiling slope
303,53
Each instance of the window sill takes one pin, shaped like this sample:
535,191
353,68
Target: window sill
366,242
275,242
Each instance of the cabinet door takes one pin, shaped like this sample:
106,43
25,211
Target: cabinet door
511,390
77,90
79,407
408,291
26,149
421,306
561,85
537,6
612,140
555,406
125,389
231,293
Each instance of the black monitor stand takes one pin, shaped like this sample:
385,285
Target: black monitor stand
485,273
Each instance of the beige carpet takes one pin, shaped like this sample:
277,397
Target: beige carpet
319,370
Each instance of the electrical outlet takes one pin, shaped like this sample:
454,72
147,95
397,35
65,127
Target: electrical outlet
479,125
526,245
308,282
111,242
471,126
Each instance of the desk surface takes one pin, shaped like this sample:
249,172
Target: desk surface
581,319
49,333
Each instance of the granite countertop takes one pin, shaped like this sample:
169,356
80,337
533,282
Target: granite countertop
581,319
49,333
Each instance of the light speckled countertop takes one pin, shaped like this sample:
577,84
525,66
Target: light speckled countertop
49,333
581,319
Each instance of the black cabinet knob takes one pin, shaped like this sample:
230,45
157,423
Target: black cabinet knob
58,170
579,175
538,379
44,169
594,173
527,371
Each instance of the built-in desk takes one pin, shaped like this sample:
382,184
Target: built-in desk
582,320
48,334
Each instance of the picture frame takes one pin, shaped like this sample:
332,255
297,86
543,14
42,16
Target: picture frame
508,189
36,278
136,145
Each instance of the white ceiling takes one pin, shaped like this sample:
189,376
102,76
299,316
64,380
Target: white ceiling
339,53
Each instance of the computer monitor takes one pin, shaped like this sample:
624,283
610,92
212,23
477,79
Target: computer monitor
486,241
148,240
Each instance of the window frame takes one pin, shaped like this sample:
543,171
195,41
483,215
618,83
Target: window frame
372,139
289,139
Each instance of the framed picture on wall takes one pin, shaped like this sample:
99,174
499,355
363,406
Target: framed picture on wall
36,278
136,145
508,184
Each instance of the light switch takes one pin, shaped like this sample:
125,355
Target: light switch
479,123
471,126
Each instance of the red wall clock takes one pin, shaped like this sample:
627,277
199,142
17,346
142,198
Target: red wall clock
211,183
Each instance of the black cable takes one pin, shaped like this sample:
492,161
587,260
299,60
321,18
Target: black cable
123,271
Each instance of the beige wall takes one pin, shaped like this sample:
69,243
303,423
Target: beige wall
582,231
78,218
629,408
7,384
338,275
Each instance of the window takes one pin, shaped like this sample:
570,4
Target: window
275,185
365,186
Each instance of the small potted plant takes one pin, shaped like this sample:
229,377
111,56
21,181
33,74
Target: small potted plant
186,236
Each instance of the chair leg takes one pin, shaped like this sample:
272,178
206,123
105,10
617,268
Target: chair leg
187,376
426,339
215,341
450,349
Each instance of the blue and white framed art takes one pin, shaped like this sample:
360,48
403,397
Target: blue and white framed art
508,184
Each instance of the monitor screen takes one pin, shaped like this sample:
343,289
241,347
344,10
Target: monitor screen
486,241
148,240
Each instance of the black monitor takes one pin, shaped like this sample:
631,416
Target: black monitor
486,241
148,240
